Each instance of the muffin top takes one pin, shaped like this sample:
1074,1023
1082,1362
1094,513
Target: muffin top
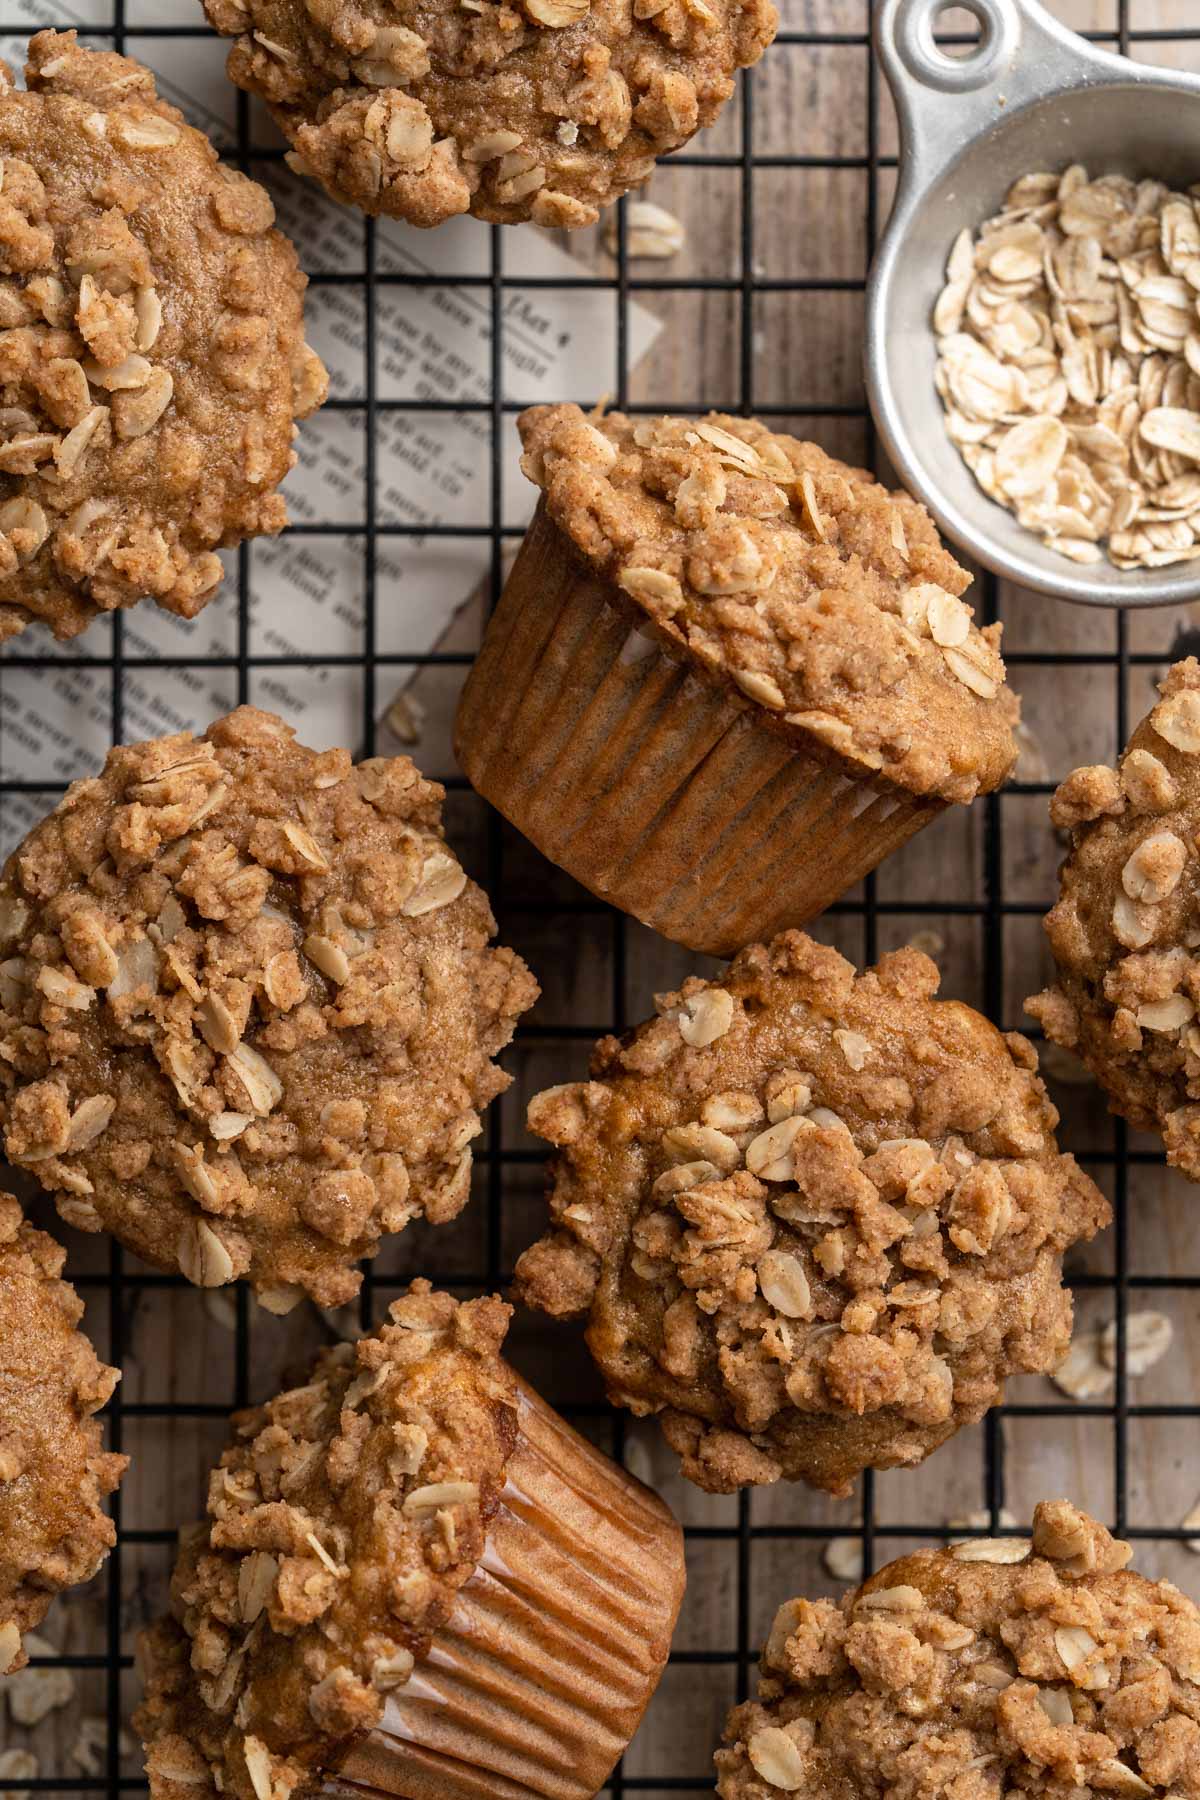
815,1219
248,1007
152,354
994,1667
826,601
53,1472
1125,932
342,1522
546,110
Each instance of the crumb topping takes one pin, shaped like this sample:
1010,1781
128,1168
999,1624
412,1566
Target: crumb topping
152,355
821,597
341,1524
546,110
248,1007
1125,931
815,1218
1001,1666
53,1471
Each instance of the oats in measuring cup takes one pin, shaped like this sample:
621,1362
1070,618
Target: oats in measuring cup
1069,364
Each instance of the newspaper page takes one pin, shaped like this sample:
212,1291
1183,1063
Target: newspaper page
433,341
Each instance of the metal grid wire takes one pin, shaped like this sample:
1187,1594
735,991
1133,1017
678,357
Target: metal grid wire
991,909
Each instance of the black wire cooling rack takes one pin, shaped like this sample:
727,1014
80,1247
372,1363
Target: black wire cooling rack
726,1541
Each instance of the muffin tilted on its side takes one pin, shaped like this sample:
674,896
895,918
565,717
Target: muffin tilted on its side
248,1007
815,1219
415,1579
544,110
996,1666
53,1471
727,676
1125,932
153,358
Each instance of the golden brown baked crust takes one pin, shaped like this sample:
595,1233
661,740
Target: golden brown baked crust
546,110
996,1668
344,1521
152,354
53,1472
1124,930
248,1007
815,1219
823,598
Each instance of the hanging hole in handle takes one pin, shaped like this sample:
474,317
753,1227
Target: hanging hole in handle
979,38
958,31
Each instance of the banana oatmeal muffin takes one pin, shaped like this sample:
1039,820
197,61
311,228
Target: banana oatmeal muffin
996,1667
728,675
815,1218
414,1579
1125,932
152,353
545,110
248,1007
53,1471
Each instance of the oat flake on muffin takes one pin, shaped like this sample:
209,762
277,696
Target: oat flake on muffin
815,1219
248,1007
152,353
546,110
53,1470
1125,932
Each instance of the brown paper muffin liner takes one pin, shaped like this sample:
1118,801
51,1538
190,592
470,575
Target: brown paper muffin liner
652,783
537,1682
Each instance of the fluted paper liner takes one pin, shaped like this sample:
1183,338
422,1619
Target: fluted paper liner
539,1679
651,782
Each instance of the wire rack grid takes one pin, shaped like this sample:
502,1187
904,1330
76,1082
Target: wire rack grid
713,1664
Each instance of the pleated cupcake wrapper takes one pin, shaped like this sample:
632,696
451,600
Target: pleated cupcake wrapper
537,1682
647,780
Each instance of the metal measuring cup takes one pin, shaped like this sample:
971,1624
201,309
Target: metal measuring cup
1030,95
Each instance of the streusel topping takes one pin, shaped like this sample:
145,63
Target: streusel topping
248,1007
822,597
546,110
815,1219
999,1666
1125,932
152,353
341,1525
53,1471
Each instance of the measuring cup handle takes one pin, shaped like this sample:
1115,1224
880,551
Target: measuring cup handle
1023,54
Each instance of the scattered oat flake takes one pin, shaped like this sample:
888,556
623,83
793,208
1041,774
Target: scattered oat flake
843,1558
1082,1374
1148,1337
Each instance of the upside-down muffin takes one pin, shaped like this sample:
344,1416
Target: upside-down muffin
152,353
545,110
814,1219
414,1579
1125,932
999,1666
248,1007
53,1470
728,675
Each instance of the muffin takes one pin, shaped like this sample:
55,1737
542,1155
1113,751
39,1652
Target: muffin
997,1666
414,1579
153,359
547,110
53,1471
727,675
248,1007
814,1219
1125,933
